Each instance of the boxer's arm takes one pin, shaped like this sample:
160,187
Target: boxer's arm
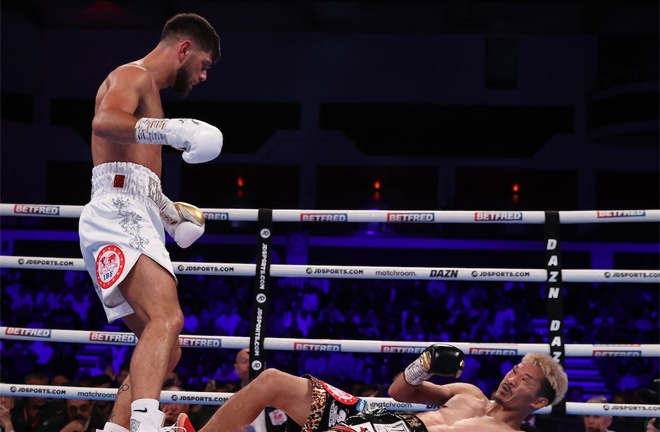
438,359
428,392
199,141
120,95
130,87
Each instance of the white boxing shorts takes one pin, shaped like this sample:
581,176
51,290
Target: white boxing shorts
120,223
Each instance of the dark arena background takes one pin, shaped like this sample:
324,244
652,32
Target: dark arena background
466,126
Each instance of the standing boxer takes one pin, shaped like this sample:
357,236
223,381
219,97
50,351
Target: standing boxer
121,228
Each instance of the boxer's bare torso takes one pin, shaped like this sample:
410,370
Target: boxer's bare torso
133,87
463,413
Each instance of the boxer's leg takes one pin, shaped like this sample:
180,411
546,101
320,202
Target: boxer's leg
157,321
289,393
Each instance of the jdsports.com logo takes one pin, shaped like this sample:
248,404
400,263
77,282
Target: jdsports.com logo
337,271
205,268
44,391
45,262
197,398
647,409
628,274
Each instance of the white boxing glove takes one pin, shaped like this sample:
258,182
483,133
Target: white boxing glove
200,142
183,222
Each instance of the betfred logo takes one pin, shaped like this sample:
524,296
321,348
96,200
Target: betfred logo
216,216
37,209
401,349
113,337
491,351
609,353
17,331
620,213
323,217
306,346
199,342
410,217
497,216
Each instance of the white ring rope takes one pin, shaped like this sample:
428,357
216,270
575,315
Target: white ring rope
359,272
212,398
352,272
389,216
331,345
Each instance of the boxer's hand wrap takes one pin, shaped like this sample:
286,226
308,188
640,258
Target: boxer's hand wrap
199,141
438,359
182,221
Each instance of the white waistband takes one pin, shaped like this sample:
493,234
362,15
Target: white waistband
126,177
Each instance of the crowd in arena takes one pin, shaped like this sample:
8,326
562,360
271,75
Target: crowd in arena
391,310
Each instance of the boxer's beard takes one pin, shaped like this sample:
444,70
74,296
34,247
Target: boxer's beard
496,396
182,81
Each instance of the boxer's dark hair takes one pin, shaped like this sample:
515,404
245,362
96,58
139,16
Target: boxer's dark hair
195,27
547,391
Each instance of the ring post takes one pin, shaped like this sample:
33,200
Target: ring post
555,295
261,292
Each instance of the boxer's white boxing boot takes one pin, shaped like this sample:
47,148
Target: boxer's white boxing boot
145,416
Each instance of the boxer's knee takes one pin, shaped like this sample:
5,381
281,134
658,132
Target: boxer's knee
175,321
271,379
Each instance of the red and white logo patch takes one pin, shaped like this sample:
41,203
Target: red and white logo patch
340,395
109,265
277,417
